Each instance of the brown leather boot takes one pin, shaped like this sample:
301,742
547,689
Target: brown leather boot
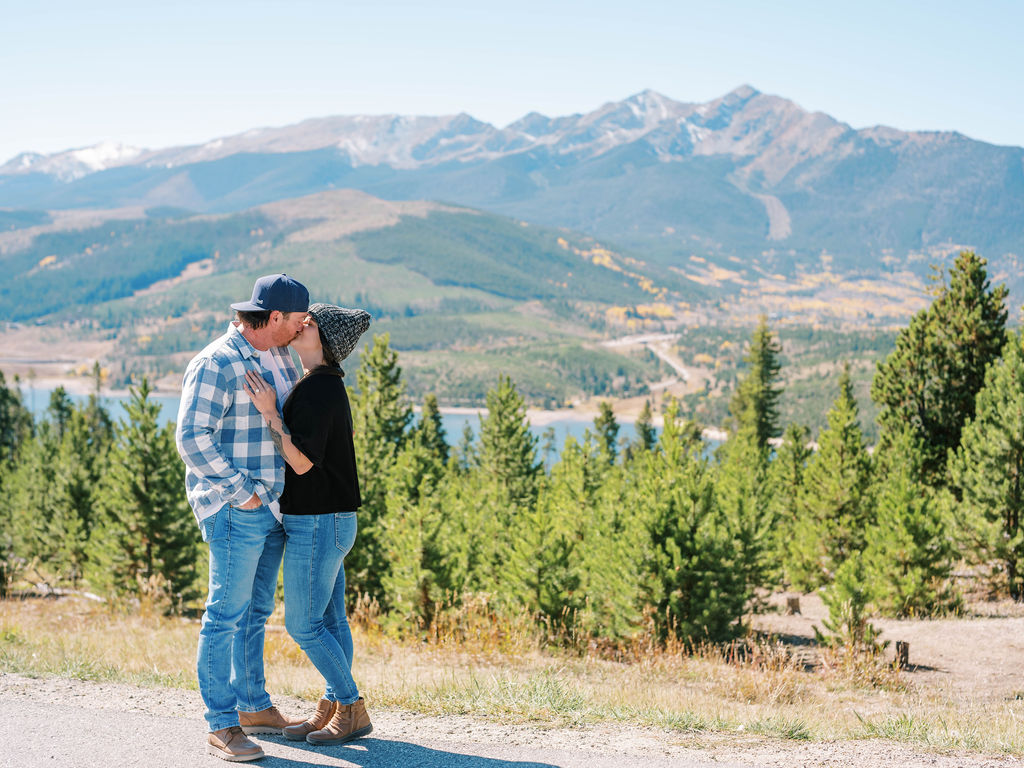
230,744
267,720
320,718
348,722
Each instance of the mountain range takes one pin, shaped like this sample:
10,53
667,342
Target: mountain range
749,178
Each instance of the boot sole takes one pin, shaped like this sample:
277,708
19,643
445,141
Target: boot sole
212,750
341,739
255,730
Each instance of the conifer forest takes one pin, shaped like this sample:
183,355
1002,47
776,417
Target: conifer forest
612,536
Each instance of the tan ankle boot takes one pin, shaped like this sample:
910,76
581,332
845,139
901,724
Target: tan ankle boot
348,722
320,718
268,720
230,744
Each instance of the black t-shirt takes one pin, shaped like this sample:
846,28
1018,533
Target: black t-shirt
319,419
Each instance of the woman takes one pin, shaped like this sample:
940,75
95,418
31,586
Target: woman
321,495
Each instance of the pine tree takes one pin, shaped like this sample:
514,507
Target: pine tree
785,483
15,422
59,410
849,599
408,535
465,452
931,379
742,494
646,435
547,444
538,571
473,537
988,469
610,526
380,400
430,430
742,490
683,436
100,425
694,580
35,506
834,506
16,427
50,503
909,556
380,417
508,449
76,478
607,429
755,404
147,543
50,493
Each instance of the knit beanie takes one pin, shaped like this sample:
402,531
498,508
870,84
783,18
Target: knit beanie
341,327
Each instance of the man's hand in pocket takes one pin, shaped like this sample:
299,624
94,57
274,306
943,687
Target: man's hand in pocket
252,503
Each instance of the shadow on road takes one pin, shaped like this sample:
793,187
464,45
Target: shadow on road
382,753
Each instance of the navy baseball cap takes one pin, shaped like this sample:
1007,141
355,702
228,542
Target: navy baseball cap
280,292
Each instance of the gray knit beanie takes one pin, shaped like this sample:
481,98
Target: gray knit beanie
340,327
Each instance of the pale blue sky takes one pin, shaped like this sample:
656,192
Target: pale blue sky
155,75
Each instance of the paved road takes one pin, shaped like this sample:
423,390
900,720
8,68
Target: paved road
60,723
72,724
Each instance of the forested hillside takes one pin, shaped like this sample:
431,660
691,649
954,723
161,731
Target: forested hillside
467,294
625,536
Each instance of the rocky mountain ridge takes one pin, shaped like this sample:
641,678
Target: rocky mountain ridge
743,123
749,177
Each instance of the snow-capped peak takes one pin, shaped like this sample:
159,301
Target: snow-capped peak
74,163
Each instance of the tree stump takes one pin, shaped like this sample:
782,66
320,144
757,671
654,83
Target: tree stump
792,606
902,654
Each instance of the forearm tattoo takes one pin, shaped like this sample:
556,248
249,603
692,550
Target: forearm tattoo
278,439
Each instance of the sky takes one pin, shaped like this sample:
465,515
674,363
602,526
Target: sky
163,74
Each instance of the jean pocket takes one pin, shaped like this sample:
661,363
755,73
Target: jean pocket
215,526
345,531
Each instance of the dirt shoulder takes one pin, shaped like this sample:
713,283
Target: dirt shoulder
108,724
980,657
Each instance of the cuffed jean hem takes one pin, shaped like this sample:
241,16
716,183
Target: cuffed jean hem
340,701
220,724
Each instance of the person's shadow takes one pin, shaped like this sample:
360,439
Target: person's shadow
384,753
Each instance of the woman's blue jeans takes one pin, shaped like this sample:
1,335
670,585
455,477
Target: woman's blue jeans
314,596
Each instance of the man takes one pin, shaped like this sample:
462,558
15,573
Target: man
234,477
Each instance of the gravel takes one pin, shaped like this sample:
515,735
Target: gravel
57,722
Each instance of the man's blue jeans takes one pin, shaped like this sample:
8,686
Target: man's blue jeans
314,596
245,557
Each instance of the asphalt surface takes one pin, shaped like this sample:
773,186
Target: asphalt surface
58,723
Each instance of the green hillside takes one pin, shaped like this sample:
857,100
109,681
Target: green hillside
464,295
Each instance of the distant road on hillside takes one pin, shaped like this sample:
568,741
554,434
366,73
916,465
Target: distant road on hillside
659,344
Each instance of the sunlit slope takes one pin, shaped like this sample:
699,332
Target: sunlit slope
464,294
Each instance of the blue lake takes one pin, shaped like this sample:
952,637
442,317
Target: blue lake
37,400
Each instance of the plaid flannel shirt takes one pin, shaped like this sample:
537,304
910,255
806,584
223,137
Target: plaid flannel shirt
221,436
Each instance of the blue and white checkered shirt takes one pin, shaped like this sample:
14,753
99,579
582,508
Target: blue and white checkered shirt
221,436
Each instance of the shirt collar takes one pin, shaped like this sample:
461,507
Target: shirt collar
241,343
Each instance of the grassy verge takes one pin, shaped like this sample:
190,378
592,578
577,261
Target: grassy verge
765,694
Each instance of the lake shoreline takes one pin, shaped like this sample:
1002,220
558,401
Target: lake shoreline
81,387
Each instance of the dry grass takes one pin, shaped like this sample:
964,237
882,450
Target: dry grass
477,666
